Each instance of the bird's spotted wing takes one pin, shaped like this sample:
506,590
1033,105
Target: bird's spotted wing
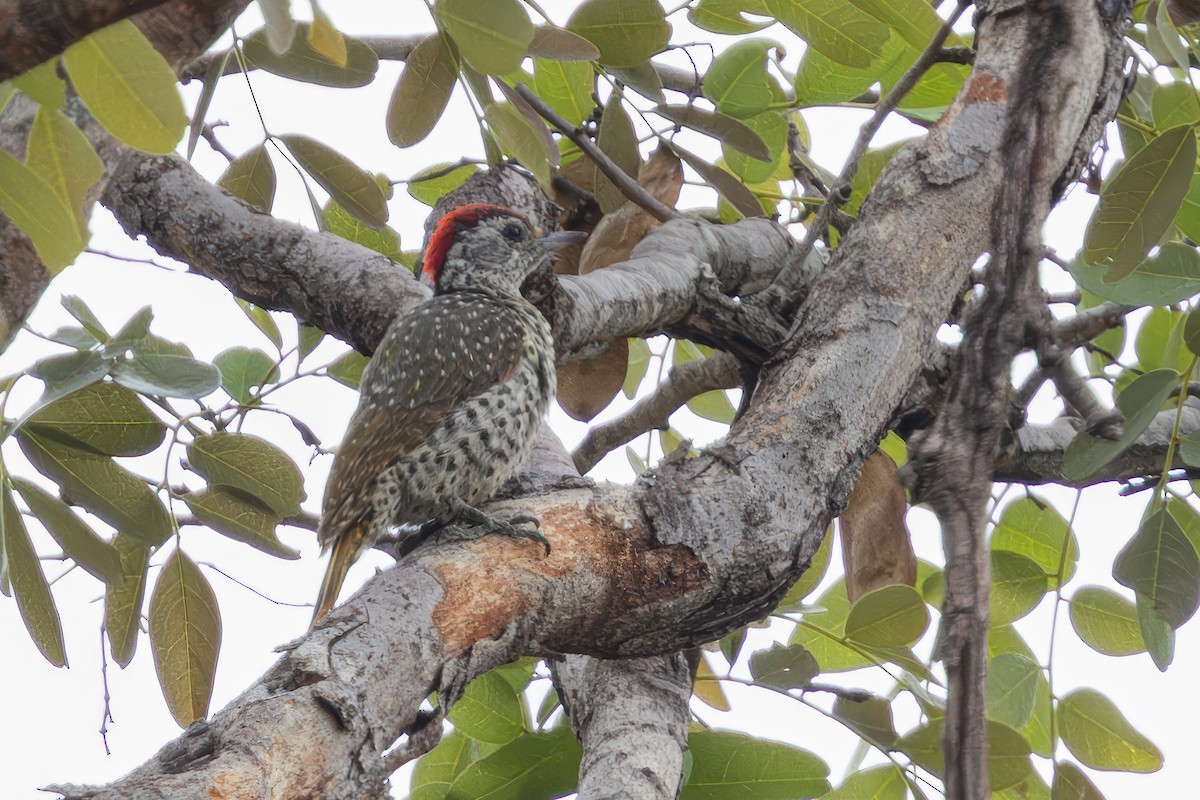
448,349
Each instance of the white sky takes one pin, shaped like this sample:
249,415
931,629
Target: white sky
52,716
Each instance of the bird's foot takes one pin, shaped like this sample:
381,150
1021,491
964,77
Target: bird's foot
519,526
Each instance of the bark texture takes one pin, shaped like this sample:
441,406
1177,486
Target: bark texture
701,545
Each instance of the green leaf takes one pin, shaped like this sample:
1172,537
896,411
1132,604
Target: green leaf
535,766
639,360
1071,784
1169,276
243,370
1160,564
729,187
78,541
1106,621
1159,341
1191,331
560,44
726,16
261,319
1008,752
35,208
437,769
727,764
251,465
347,369
869,169
820,80
519,139
871,719
64,374
131,334
493,36
891,616
615,137
1138,403
877,783
1158,635
490,710
1188,218
302,63
422,92
635,461
340,222
1138,203
1032,527
228,512
100,485
811,577
105,418
208,88
821,632
325,39
280,27
430,190
713,405
352,187
726,129
627,31
29,586
42,84
783,667
251,177
185,637
1011,689
915,21
123,601
737,81
834,28
167,375
772,128
61,155
1018,585
128,87
565,86
309,338
1099,736
1175,104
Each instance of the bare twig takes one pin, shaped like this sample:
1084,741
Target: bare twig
628,186
1088,324
719,371
210,136
779,292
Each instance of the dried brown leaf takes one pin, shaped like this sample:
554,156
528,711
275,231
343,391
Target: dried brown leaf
876,547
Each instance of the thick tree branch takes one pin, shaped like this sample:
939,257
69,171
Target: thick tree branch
32,31
692,550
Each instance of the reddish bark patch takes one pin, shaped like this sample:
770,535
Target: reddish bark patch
984,86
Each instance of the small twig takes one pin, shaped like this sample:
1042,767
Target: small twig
1070,298
1107,423
628,186
781,289
249,588
107,716
210,136
719,371
420,741
1090,323
956,55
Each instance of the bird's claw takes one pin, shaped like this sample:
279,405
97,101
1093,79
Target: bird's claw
521,525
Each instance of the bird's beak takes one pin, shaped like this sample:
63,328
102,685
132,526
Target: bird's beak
560,239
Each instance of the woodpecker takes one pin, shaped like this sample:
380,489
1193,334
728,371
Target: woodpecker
450,404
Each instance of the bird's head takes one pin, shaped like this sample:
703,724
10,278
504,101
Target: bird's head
481,246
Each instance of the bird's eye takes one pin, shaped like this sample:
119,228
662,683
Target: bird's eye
514,231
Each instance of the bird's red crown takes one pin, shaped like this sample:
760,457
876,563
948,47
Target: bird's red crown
443,235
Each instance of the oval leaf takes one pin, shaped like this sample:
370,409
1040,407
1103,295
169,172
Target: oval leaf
737,81
493,36
1012,682
78,541
1099,736
490,710
29,586
726,129
1138,403
303,63
1138,204
239,517
351,186
1018,585
727,764
891,616
185,637
61,155
123,601
560,44
876,783
35,208
128,87
422,92
519,139
243,370
533,765
835,28
1160,564
1030,526
783,667
251,465
1106,621
627,32
251,177
870,718
105,418
167,375
100,485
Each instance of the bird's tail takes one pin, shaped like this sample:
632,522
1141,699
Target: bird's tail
342,554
